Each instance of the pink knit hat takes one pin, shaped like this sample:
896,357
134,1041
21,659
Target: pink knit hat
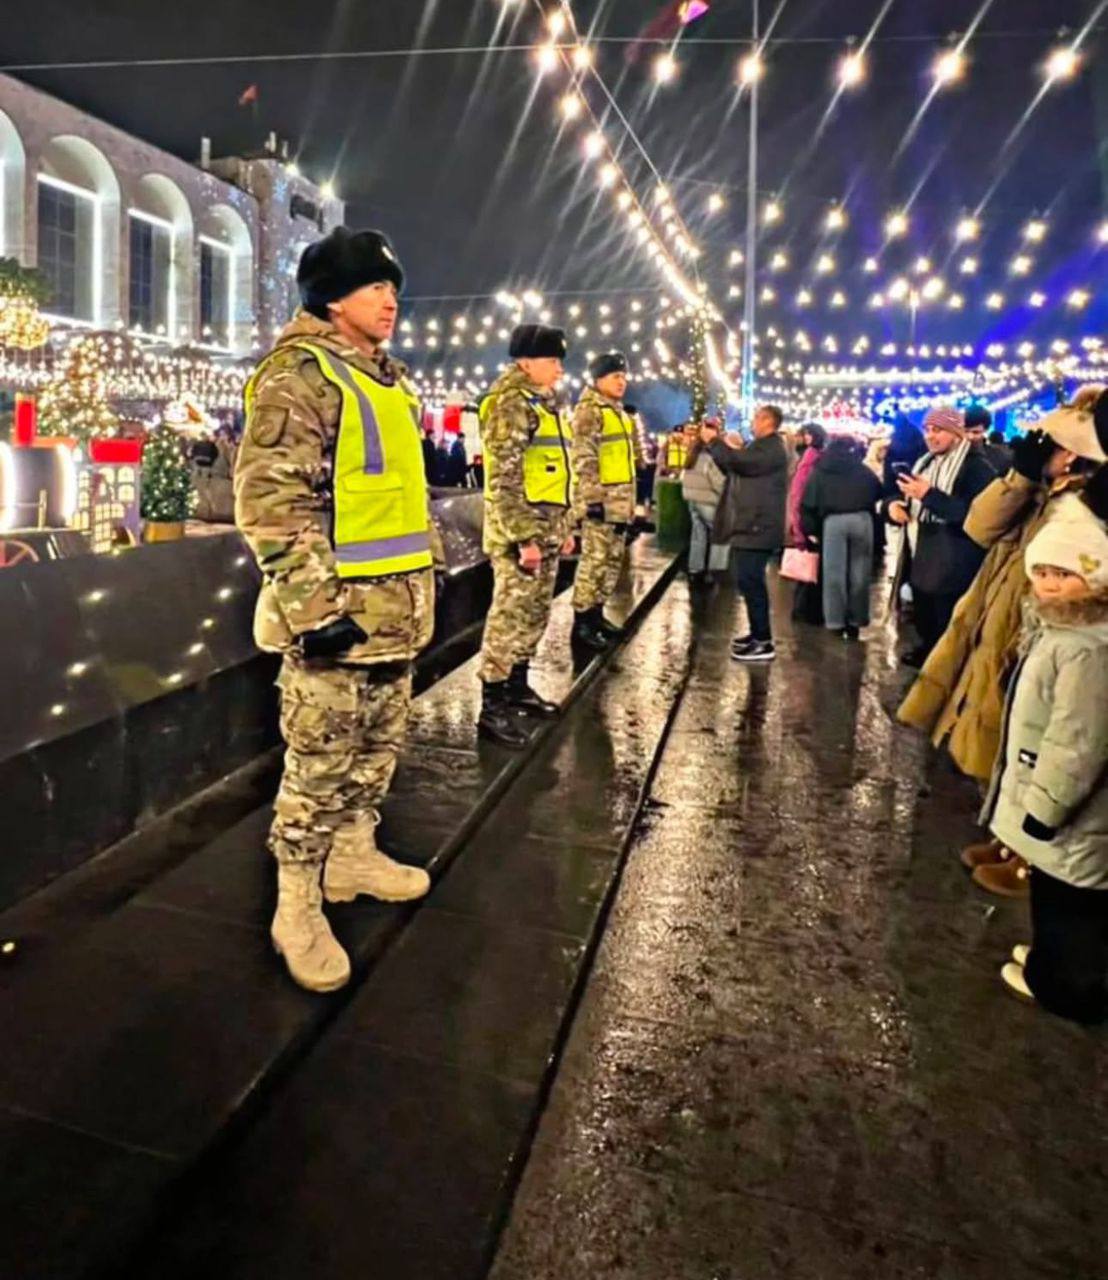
946,419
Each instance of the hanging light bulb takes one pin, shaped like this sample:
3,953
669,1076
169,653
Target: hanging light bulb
1062,63
593,144
571,106
852,70
1035,231
555,23
896,225
1102,233
836,218
582,57
994,301
715,202
624,199
751,69
1077,299
949,67
771,213
546,58
608,175
665,68
1021,265
825,264
967,229
969,266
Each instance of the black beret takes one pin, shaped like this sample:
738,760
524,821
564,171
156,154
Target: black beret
342,262
607,362
536,342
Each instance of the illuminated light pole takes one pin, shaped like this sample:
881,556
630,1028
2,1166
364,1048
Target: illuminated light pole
749,385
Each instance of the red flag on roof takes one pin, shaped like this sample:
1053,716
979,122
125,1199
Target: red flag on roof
248,95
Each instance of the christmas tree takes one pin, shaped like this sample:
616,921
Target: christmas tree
75,402
167,493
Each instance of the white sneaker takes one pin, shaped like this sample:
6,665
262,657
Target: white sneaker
301,933
356,866
1020,954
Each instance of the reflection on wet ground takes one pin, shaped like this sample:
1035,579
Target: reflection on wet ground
794,1059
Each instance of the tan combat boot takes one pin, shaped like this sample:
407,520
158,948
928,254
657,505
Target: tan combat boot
300,931
357,866
1007,879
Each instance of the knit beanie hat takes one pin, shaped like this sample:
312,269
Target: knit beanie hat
1082,425
342,262
946,419
537,342
607,362
1074,539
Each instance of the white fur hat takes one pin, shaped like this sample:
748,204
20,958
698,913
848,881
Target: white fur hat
1074,539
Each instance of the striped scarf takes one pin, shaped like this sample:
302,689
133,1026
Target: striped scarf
942,469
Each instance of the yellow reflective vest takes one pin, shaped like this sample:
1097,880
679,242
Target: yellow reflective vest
617,447
675,455
546,472
381,524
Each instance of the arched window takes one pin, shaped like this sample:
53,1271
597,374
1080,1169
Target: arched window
159,234
78,231
13,166
226,280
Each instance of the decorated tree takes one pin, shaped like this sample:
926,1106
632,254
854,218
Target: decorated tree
75,403
22,291
167,492
698,366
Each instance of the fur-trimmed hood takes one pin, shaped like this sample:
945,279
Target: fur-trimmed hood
1092,612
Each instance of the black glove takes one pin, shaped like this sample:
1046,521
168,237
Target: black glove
621,529
595,511
1095,493
333,640
1038,830
1031,454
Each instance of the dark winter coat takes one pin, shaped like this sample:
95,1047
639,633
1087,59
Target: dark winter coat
946,558
751,514
838,486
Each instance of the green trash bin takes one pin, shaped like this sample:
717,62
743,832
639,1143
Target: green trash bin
671,515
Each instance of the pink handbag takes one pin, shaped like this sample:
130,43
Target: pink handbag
800,565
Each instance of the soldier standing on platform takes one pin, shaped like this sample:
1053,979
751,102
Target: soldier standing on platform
528,525
604,468
332,499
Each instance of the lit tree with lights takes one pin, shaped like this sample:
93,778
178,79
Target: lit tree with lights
75,403
698,366
167,492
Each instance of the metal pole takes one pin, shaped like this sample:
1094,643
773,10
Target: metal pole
749,299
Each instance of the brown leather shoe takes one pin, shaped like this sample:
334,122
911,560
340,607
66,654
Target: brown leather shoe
1008,879
984,854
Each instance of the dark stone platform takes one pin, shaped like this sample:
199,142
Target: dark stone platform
148,1025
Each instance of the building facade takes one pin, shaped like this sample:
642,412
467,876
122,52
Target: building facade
131,237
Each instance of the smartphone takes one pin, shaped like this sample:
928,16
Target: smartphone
900,469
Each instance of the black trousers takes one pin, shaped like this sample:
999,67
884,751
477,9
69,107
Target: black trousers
750,578
931,612
1068,964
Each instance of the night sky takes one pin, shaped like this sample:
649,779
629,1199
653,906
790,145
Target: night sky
464,161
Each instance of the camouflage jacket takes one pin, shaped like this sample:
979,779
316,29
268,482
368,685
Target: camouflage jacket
284,504
505,433
588,423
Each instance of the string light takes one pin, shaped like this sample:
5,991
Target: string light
556,23
1102,233
772,213
751,69
1063,63
836,218
949,67
994,301
715,202
1077,299
852,70
546,58
1021,265
1035,231
967,229
896,225
825,264
665,68
572,106
593,145
582,57
968,266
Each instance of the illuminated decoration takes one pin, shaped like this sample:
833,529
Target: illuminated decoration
870,266
665,68
994,301
1102,233
715,202
593,144
967,229
836,218
167,492
327,190
968,266
571,106
556,23
751,69
1021,265
1037,299
825,264
1063,63
949,67
852,70
896,225
75,403
582,57
546,58
689,10
22,291
1077,299
1035,231
771,213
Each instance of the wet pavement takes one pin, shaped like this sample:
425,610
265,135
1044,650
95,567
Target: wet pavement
794,1059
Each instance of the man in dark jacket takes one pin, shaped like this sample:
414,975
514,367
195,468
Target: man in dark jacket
906,447
761,470
935,500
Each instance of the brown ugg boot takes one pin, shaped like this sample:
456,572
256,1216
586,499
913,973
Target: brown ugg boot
1008,879
984,854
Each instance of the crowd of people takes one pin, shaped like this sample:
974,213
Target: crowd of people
1001,563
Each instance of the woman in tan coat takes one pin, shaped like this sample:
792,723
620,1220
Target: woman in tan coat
959,694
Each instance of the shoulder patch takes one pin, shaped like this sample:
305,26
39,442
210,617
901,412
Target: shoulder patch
267,424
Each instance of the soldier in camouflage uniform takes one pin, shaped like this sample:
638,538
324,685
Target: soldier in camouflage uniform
528,525
605,458
347,631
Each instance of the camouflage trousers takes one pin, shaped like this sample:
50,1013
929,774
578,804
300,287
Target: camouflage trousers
518,615
603,552
343,728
